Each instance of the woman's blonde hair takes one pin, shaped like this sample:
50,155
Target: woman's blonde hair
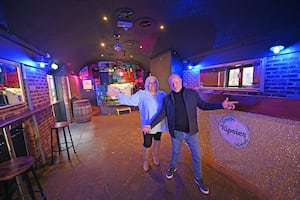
148,80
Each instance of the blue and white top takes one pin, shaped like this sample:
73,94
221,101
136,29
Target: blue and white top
149,107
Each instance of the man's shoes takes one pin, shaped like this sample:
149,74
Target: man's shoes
170,173
201,186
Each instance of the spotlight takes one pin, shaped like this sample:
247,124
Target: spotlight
54,66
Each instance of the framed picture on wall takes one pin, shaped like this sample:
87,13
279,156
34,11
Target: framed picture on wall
87,84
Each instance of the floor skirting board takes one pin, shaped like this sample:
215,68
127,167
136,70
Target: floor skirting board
236,177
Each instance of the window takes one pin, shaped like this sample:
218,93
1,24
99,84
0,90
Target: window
248,75
243,75
214,77
52,90
234,77
10,88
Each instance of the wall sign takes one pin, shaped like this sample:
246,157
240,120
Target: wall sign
234,132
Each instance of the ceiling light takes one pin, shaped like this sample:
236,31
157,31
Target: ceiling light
124,14
42,64
277,48
124,24
117,35
42,61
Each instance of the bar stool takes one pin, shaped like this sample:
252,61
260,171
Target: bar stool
20,166
69,144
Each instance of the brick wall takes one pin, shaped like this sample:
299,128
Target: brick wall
9,111
37,86
282,75
191,77
39,139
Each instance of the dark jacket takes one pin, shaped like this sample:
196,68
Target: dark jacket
192,100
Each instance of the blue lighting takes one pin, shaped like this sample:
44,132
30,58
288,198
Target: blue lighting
42,65
277,49
190,67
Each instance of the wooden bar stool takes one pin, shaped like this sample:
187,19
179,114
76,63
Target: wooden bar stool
20,166
68,144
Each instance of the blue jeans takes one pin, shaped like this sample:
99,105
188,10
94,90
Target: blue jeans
193,142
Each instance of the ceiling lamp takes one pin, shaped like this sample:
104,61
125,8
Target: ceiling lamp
41,61
124,24
276,49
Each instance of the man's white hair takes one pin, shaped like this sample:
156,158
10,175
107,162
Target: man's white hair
148,80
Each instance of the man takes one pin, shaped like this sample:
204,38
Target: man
180,108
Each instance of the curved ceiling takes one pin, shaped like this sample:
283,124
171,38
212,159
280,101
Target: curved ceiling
72,30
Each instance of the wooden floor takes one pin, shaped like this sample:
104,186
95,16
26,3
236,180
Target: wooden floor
108,165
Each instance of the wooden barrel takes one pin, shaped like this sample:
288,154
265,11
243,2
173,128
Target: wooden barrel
82,110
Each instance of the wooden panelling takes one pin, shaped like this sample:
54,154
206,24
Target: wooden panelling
272,106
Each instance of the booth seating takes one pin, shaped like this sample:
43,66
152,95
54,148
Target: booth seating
20,166
68,144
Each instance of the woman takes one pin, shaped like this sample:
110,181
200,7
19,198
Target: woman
149,102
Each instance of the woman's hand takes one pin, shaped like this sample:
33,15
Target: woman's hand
112,92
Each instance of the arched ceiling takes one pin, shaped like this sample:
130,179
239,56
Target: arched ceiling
72,31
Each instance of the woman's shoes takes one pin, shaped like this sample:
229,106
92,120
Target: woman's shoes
156,160
146,166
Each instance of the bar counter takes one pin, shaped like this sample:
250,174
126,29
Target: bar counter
268,164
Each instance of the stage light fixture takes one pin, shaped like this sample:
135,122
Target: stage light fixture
54,66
